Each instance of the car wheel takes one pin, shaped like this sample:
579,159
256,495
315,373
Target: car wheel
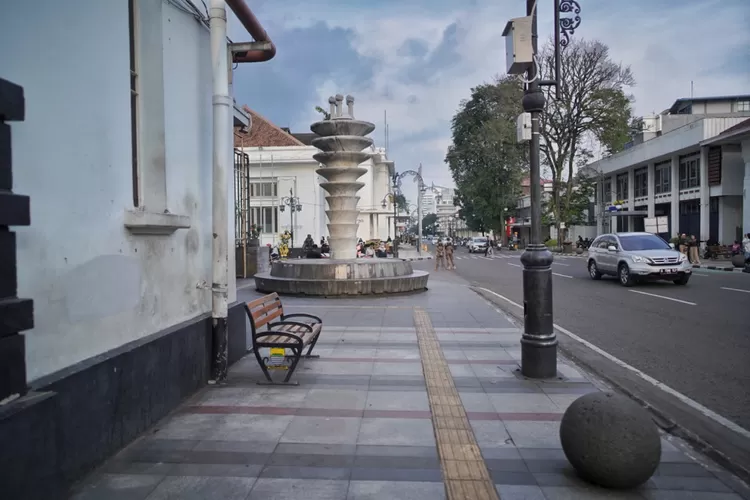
623,272
682,280
594,271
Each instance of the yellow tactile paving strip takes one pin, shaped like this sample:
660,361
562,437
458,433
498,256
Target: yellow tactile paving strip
464,472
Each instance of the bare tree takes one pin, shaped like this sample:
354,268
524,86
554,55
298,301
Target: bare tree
592,105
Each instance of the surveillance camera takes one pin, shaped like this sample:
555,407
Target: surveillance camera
244,129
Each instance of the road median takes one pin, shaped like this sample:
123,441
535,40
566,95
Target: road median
721,440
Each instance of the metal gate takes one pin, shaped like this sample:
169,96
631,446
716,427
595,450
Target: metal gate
242,220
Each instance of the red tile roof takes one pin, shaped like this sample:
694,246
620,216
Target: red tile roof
263,133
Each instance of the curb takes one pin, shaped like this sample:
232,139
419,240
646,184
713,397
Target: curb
718,268
660,418
417,258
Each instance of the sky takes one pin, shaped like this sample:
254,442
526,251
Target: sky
415,60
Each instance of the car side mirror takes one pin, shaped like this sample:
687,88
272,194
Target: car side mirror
612,248
671,245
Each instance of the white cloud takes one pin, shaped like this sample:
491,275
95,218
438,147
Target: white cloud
668,45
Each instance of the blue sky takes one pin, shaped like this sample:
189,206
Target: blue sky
416,59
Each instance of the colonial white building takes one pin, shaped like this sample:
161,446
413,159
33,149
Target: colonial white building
282,170
691,164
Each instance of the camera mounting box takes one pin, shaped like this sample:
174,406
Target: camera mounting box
519,51
523,127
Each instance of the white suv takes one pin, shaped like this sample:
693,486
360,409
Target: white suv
634,257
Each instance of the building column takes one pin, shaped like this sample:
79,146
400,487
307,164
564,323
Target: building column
705,196
746,188
631,197
675,184
612,198
651,191
600,204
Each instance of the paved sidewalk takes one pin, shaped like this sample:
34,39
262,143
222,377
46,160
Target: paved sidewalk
361,424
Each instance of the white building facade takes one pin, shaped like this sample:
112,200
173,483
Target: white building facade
280,173
679,169
115,152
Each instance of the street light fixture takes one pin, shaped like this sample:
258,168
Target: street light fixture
294,205
539,342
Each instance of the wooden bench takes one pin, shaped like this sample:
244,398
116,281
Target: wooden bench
723,251
286,331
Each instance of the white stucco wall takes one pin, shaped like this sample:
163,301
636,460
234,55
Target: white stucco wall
96,286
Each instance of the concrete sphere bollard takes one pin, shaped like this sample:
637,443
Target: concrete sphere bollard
579,250
610,440
738,260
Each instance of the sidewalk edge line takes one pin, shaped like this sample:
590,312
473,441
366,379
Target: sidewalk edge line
706,412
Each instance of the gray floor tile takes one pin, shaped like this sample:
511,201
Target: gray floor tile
384,474
523,403
506,465
336,399
315,449
407,353
324,430
462,370
330,367
688,495
396,431
690,484
298,489
316,460
404,490
266,447
225,427
393,400
512,477
296,472
288,397
202,488
386,462
118,487
494,372
220,470
534,434
490,433
400,369
476,401
396,451
519,492
587,493
683,470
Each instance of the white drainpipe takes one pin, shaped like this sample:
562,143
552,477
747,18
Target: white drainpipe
222,116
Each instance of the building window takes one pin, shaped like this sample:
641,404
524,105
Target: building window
690,172
640,178
266,218
264,189
663,177
132,16
622,187
607,191
743,105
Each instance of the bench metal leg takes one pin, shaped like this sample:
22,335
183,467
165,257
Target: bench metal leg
312,345
262,365
295,360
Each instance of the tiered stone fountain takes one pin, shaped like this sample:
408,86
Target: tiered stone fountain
342,143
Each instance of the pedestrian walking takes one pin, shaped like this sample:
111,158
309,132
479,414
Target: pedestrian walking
449,255
693,245
439,255
488,249
682,242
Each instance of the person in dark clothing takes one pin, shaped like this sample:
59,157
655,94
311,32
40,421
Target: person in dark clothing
314,253
308,244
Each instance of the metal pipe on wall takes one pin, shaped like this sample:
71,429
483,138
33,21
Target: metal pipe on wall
222,105
253,26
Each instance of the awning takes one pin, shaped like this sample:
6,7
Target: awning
630,213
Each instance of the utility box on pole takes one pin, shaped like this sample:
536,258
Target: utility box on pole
519,51
523,127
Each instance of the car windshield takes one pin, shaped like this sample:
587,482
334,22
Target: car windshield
480,240
643,242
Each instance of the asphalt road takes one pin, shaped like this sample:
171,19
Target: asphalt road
695,338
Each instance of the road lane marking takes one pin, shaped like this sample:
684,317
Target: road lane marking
664,297
563,275
514,265
735,289
561,264
651,380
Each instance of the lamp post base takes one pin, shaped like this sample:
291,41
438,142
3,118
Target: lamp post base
539,342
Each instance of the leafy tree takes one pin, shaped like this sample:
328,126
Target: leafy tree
593,108
486,162
429,224
402,204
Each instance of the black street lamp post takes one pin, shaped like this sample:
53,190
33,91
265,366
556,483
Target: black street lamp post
294,205
539,342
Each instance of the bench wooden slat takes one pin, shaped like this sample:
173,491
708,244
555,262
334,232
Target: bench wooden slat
262,300
264,320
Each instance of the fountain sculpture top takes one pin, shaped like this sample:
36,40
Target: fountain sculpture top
341,122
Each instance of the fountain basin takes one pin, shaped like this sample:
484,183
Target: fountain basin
330,277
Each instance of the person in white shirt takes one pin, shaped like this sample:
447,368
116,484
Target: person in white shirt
746,246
